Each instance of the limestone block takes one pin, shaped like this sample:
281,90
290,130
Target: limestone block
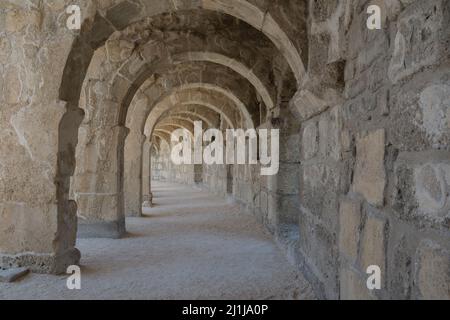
421,38
346,140
102,31
288,178
357,85
13,85
370,176
320,245
373,244
383,102
434,103
431,190
432,275
349,227
288,209
16,20
5,48
289,150
400,269
329,139
97,206
323,9
121,14
378,47
319,192
307,105
264,203
423,188
310,141
353,287
349,70
118,50
27,228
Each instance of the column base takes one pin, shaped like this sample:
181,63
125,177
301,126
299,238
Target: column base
42,263
148,203
101,229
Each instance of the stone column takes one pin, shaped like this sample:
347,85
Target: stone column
99,190
134,145
147,163
37,219
145,170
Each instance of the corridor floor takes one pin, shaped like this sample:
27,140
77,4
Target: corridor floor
191,245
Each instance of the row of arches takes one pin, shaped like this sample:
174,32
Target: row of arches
131,75
116,90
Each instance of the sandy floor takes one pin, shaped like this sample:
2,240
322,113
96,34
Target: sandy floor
190,246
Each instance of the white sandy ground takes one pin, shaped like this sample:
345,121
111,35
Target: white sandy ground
190,246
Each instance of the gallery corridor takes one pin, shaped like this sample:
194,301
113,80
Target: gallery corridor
191,245
321,127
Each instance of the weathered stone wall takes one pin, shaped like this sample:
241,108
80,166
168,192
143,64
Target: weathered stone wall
374,182
215,179
133,173
163,169
37,229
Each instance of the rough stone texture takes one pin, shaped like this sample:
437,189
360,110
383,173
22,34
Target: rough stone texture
370,176
373,244
434,104
310,141
431,187
421,38
133,171
432,267
363,117
353,286
423,177
349,227
36,49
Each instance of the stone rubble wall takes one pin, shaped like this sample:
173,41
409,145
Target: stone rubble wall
375,163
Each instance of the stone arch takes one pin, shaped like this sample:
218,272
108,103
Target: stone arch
215,57
233,64
168,118
182,113
113,18
162,136
134,174
120,82
205,95
93,35
154,92
190,79
166,130
176,125
192,118
205,114
231,121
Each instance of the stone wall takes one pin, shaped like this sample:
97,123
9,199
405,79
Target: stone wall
163,168
374,186
35,230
